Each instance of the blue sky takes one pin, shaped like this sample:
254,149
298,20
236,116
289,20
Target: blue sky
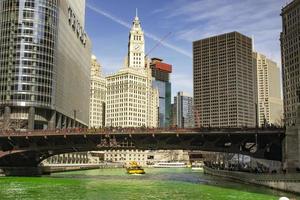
187,20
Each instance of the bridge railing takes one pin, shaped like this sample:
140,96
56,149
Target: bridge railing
109,130
90,131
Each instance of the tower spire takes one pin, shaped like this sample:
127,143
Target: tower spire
253,44
136,14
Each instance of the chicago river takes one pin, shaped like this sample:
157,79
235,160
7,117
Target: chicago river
107,184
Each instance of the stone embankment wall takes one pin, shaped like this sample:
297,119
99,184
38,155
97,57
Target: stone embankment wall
53,168
284,182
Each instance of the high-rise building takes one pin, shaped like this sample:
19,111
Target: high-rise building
224,93
45,58
183,107
98,95
131,100
173,115
161,80
290,48
270,105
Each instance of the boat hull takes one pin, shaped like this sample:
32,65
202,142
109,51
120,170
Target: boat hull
135,171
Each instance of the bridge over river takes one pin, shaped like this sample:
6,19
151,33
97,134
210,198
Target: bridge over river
28,149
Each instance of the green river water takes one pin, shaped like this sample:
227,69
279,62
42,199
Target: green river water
111,184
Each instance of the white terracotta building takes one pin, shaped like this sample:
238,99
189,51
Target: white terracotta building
98,95
131,101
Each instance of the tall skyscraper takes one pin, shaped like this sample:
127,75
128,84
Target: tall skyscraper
183,107
270,105
290,48
161,80
45,58
224,81
136,45
98,95
131,100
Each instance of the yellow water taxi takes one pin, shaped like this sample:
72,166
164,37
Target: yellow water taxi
134,168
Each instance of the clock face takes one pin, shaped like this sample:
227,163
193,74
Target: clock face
137,47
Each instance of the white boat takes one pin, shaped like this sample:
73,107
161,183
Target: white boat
198,166
170,165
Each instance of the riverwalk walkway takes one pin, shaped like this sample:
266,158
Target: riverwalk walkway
284,182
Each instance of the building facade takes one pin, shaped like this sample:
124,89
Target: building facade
98,96
270,105
183,107
39,85
126,156
145,158
224,93
131,100
161,80
290,48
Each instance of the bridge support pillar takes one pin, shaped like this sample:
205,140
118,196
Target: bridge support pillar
69,123
52,121
7,112
291,146
291,151
59,120
64,121
73,123
31,117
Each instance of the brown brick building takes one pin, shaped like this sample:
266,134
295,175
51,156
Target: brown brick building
224,92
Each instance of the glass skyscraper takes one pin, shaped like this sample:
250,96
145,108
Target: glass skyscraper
290,48
44,64
183,108
161,76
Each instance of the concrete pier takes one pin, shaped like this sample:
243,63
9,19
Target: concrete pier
291,147
31,118
7,112
52,121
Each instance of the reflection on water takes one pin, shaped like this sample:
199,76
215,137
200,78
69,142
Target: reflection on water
116,184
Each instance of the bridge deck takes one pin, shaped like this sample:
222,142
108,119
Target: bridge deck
204,131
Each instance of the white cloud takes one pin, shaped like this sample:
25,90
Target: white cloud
204,18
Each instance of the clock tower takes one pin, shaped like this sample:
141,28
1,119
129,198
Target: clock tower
136,45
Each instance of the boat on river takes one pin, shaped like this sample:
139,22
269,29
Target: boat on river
134,168
170,165
197,166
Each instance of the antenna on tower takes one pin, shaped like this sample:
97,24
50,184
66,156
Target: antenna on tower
136,12
253,44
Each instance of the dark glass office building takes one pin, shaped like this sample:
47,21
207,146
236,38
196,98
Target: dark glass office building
290,50
161,80
44,64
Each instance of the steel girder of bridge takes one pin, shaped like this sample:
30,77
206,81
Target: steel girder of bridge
29,149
